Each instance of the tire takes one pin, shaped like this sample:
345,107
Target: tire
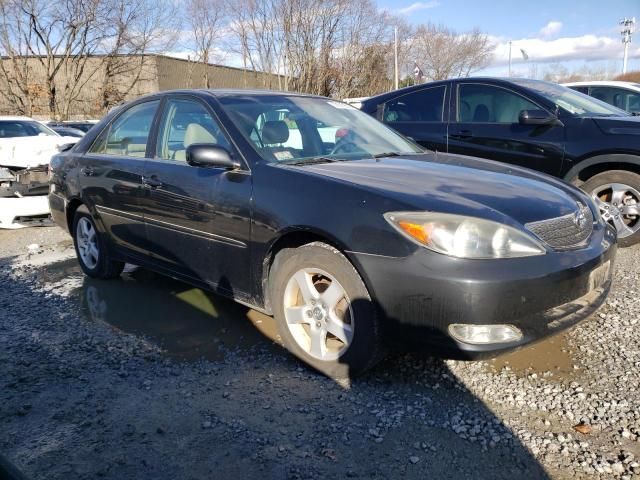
98,263
617,193
323,265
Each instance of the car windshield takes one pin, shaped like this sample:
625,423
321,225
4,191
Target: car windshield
570,100
298,129
24,128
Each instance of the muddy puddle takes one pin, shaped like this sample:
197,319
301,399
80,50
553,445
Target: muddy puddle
552,358
186,322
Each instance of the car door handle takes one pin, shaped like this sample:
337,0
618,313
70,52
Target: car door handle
462,134
87,171
151,182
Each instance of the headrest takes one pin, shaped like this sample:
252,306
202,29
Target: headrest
275,131
196,133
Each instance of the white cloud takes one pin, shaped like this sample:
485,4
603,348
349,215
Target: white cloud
550,29
416,6
584,48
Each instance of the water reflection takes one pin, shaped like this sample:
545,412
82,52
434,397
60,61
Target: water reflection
186,322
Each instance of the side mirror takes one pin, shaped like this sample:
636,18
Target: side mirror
207,155
536,117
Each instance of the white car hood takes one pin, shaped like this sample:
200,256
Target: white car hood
27,152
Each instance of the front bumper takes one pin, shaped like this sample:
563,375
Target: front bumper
422,294
14,210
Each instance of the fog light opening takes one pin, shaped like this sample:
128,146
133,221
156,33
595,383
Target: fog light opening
484,334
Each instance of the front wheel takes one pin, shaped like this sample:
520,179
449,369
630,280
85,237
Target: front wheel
617,194
91,248
324,313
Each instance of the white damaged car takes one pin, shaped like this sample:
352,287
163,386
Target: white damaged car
26,147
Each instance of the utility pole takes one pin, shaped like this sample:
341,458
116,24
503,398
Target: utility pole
395,55
509,58
626,32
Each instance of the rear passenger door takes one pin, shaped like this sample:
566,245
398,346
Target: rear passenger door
420,114
485,123
111,175
197,218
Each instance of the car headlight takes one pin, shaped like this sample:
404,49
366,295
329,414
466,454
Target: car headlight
464,237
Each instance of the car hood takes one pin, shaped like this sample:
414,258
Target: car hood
27,152
461,185
618,125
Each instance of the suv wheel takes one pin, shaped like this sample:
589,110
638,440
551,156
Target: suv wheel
324,313
91,248
617,194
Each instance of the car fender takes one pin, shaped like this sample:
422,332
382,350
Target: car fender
619,158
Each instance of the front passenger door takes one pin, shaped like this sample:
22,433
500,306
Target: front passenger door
197,218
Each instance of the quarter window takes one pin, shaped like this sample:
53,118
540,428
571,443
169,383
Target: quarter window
425,105
129,133
488,104
186,122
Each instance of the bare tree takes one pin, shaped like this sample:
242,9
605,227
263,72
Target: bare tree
138,28
55,36
442,53
68,43
206,19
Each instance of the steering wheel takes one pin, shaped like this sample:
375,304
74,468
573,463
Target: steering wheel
344,146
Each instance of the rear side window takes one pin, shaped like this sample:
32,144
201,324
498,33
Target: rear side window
424,105
479,103
128,134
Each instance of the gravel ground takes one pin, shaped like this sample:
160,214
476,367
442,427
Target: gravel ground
146,377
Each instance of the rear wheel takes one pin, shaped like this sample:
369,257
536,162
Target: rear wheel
91,248
324,312
617,194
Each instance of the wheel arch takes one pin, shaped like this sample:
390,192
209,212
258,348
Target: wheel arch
292,238
591,166
72,207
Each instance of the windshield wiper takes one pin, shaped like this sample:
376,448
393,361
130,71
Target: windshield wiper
394,154
311,161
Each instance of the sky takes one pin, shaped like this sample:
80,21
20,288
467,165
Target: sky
572,33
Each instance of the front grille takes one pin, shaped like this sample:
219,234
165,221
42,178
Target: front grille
568,231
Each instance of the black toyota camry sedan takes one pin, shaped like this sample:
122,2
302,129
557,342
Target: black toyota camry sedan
350,235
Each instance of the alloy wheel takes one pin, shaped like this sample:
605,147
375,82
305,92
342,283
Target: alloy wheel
318,314
619,205
87,240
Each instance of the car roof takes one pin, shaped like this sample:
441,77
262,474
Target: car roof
604,83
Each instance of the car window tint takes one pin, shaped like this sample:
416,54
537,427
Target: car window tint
128,134
424,105
186,122
488,104
618,97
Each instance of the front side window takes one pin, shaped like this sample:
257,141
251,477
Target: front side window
186,122
297,129
424,105
128,134
569,100
479,103
618,97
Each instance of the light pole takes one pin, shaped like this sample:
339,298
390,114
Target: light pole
509,58
395,55
626,32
